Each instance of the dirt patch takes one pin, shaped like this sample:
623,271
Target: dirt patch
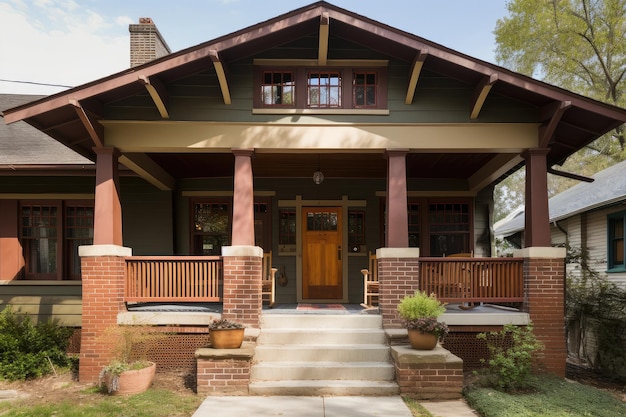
56,389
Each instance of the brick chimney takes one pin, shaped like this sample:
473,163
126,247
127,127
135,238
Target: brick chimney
146,42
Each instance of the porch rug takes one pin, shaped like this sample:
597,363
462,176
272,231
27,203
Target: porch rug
312,307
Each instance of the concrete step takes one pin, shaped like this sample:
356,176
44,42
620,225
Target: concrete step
325,321
324,387
326,353
283,371
319,336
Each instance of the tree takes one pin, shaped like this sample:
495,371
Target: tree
579,45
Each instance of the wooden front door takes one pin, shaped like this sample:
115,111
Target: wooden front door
321,253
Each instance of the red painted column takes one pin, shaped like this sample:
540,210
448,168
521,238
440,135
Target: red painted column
108,209
243,199
537,217
397,220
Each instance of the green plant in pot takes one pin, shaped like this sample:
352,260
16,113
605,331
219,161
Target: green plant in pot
129,371
226,334
420,312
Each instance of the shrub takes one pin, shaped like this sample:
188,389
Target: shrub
28,350
420,305
511,357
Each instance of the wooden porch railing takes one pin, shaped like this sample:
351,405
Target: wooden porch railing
173,278
458,280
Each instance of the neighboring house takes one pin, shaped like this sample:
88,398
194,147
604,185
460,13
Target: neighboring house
590,216
319,136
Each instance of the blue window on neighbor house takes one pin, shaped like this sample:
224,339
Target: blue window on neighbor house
615,242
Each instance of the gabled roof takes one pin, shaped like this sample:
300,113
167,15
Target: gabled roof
570,121
608,188
24,147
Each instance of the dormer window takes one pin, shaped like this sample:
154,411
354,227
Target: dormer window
326,90
278,88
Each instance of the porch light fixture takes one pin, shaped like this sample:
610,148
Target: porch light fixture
318,177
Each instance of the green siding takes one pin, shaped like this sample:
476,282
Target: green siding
44,301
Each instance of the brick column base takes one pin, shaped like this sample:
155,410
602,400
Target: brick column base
242,300
224,371
102,269
428,374
544,301
398,274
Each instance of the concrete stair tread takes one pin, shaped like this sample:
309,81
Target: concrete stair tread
321,364
324,387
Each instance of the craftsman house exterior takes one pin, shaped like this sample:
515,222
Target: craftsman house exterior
319,136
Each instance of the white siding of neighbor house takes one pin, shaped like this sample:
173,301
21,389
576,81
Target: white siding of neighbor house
594,224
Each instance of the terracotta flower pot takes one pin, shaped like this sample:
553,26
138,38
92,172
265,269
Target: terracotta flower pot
422,341
132,382
226,338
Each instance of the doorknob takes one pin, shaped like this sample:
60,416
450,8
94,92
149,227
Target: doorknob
339,253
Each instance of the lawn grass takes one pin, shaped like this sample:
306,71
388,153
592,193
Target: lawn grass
416,409
552,397
153,403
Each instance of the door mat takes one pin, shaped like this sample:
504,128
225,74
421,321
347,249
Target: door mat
308,307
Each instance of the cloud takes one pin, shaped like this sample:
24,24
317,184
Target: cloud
58,42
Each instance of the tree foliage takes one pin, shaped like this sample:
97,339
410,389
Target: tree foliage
579,45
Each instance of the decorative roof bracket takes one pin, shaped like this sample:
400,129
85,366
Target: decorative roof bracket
554,112
414,76
94,129
480,94
220,69
158,92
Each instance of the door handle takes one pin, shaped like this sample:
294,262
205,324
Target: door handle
339,253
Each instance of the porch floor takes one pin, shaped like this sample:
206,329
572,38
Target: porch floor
203,313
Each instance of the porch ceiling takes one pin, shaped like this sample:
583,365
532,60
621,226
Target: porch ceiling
72,117
344,165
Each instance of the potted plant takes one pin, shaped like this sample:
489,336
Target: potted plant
420,312
129,372
226,334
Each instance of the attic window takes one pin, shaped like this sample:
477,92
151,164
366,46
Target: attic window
278,88
324,90
320,90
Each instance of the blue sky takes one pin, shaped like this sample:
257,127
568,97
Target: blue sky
71,42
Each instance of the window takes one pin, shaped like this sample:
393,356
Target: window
414,225
437,227
287,227
321,89
364,89
449,225
324,89
616,248
356,229
278,88
212,225
50,234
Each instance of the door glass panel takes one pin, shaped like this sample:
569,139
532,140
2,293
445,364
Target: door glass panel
321,221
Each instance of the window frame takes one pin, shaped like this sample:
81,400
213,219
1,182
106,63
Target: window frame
301,73
612,266
423,227
63,256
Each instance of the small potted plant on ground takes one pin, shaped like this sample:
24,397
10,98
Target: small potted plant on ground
420,312
226,334
129,372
